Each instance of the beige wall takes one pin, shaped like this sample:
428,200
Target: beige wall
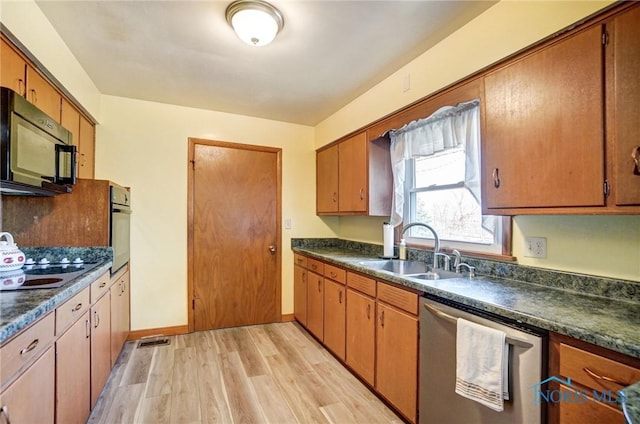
144,145
603,245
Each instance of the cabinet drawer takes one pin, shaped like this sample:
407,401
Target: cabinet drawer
361,283
71,310
26,347
588,412
315,266
100,287
300,260
400,298
577,363
335,273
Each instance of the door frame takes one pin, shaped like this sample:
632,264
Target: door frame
190,212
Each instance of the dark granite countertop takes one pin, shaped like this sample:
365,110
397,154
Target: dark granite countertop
600,311
21,308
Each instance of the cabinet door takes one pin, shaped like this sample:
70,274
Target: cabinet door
361,333
625,41
119,293
100,345
588,412
397,359
352,174
300,294
315,289
43,95
70,119
327,180
335,317
543,144
12,69
86,149
73,367
31,398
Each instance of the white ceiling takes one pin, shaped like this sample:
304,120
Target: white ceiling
185,53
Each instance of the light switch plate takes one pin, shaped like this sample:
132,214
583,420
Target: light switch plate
287,224
535,247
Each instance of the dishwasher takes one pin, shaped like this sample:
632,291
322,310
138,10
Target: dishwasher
438,401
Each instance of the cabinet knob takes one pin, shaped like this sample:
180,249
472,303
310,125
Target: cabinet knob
496,178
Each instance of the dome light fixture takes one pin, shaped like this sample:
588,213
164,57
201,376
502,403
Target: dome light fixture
256,22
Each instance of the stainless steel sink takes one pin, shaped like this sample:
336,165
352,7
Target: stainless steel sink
412,269
439,274
399,267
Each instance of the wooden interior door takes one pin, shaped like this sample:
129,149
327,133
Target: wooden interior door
234,235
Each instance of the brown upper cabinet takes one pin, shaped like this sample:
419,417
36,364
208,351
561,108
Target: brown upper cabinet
561,121
12,69
354,177
42,94
623,51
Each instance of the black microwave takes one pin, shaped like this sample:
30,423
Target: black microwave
37,154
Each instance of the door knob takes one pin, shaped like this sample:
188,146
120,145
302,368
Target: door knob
273,249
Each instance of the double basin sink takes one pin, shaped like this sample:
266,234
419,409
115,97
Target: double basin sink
411,269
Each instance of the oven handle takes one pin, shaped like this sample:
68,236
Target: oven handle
119,210
511,340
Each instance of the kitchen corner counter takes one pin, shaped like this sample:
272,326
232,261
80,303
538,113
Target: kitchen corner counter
21,308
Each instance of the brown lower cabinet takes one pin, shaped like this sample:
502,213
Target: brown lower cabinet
361,335
370,325
595,374
120,295
73,373
100,345
31,398
397,358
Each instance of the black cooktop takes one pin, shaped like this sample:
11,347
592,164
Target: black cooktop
49,276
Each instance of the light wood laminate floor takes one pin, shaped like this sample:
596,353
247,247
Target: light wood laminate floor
274,373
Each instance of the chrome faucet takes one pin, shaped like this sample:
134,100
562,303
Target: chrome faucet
436,244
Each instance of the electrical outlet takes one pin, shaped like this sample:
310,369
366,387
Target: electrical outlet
535,247
287,224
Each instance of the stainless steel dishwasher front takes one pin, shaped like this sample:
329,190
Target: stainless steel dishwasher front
439,404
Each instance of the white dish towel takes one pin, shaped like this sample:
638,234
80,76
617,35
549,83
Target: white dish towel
482,364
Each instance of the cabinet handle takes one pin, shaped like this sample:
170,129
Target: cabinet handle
87,326
361,194
319,286
77,307
124,286
382,319
496,178
101,286
34,96
21,88
635,154
5,411
369,311
31,346
334,197
333,274
605,378
304,276
340,297
96,317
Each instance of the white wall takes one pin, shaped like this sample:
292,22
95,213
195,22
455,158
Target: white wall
144,145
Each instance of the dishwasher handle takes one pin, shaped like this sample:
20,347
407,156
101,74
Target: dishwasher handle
511,340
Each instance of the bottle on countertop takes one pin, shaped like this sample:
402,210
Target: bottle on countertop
402,250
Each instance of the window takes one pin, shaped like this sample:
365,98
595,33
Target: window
436,171
435,194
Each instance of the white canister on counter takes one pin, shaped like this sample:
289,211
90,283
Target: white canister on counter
11,258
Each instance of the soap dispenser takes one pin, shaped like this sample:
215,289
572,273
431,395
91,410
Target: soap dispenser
402,250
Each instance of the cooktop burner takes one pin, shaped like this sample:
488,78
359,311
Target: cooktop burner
45,275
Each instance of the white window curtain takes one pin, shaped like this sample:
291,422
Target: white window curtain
448,127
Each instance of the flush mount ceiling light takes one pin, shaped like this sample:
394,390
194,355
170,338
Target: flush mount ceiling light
255,21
